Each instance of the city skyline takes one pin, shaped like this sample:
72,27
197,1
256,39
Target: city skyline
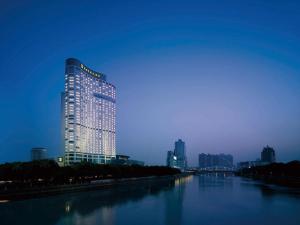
182,71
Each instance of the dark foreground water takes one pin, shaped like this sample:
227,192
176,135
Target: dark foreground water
203,200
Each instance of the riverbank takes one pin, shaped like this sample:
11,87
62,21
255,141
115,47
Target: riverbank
284,174
37,192
21,180
278,180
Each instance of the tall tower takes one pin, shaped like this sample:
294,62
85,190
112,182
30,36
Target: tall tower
179,148
179,152
268,155
177,158
89,115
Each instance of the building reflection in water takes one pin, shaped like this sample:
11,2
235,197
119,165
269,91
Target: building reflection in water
220,180
102,215
95,207
101,204
174,201
269,190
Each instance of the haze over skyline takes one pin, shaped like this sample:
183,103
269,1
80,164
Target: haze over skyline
223,77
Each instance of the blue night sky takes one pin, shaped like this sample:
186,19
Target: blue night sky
224,76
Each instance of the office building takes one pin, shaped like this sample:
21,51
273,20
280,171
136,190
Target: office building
177,158
89,119
268,155
179,152
210,161
204,160
38,154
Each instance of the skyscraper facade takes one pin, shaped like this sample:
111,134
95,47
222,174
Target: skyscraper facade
62,121
179,152
89,115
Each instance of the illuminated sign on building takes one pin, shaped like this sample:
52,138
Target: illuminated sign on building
95,74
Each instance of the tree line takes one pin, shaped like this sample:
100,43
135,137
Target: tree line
280,173
48,172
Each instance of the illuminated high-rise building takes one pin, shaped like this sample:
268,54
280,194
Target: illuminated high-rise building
89,115
177,158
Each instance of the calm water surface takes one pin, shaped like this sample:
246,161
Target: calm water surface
205,200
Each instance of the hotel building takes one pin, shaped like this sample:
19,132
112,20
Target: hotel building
89,115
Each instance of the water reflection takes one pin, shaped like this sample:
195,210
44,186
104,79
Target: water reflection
174,201
214,180
212,199
75,208
269,190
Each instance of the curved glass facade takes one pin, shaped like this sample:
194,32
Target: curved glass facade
89,115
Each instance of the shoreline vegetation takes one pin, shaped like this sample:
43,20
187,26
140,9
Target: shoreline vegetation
23,180
284,174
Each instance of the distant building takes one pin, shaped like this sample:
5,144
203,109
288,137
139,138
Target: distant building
249,164
124,160
38,154
179,152
171,159
226,160
268,155
209,161
177,158
204,160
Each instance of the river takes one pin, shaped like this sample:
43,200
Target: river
214,199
